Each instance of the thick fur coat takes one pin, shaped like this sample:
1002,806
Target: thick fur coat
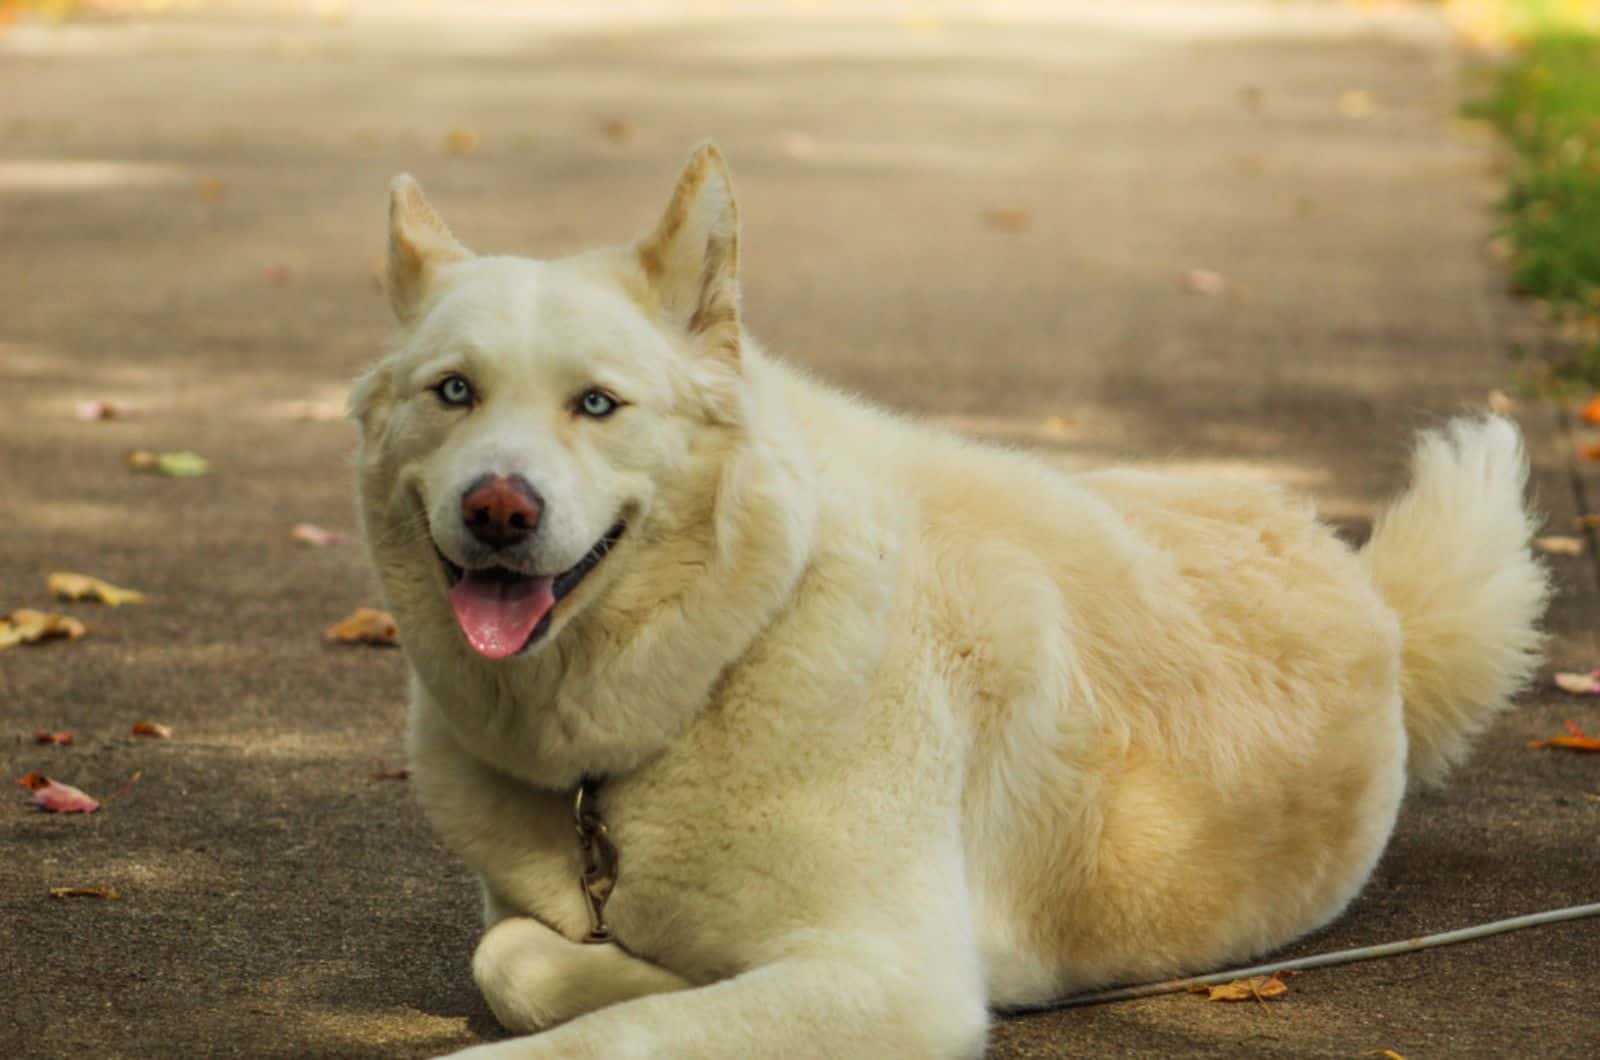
889,727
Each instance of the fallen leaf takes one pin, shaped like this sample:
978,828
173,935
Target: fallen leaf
1357,103
151,730
617,130
1591,411
1589,451
84,892
1579,684
1384,1054
1256,988
315,536
1559,545
1591,796
180,464
1204,282
1587,522
392,774
55,797
210,189
364,625
278,275
1006,219
461,142
104,409
67,586
55,739
1574,740
24,626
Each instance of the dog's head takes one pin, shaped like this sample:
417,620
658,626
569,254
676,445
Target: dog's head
519,438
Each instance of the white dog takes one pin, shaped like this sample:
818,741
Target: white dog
873,727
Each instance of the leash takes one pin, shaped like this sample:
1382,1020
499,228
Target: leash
1322,960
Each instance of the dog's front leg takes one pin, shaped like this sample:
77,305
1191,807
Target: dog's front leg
867,1006
534,978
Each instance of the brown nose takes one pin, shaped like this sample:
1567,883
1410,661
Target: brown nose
501,510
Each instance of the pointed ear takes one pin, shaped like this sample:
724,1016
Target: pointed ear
691,260
419,245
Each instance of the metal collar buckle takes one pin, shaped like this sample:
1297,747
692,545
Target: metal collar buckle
598,875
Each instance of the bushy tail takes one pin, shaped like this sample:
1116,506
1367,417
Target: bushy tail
1451,556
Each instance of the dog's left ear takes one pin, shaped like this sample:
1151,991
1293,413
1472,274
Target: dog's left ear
420,245
691,260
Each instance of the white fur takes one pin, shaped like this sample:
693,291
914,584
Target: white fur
894,726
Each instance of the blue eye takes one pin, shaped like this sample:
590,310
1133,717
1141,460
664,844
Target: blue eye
455,390
597,404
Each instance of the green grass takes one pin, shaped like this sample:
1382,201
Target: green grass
1547,103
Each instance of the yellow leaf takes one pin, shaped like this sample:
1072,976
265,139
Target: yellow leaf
1256,988
1559,545
24,626
364,625
67,586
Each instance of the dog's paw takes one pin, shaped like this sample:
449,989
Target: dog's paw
522,969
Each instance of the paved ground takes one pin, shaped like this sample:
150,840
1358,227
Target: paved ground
189,210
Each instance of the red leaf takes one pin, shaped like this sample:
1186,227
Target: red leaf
55,797
151,730
59,739
1591,411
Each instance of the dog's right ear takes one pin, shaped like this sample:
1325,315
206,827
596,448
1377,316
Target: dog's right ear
419,246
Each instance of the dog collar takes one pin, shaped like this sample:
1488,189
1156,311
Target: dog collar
598,873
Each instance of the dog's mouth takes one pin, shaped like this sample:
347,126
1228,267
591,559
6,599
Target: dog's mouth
502,612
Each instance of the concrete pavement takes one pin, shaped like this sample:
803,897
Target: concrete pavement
995,221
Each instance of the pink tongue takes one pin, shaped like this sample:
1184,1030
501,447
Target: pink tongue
499,615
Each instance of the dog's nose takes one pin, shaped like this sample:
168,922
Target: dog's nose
501,510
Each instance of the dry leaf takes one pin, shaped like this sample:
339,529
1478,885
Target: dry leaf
461,142
278,275
24,626
1579,684
1589,451
1559,545
104,409
392,774
1203,281
315,536
151,730
1006,219
1591,411
1256,988
210,189
181,464
55,797
55,739
1384,1054
1574,740
1586,522
67,586
84,892
364,625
